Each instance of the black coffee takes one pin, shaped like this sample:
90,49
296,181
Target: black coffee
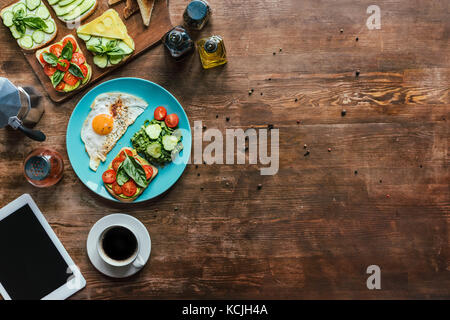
119,243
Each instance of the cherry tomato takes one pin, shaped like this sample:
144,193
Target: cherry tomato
74,44
63,65
116,163
49,70
61,86
109,176
56,49
160,113
129,188
116,188
84,69
70,79
172,120
41,58
148,171
78,58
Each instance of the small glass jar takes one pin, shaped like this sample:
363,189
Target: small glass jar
197,14
178,42
212,51
43,167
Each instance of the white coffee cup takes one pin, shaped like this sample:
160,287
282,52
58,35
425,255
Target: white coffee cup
134,259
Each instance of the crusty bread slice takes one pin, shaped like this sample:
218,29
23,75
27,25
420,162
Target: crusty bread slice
143,162
35,46
146,7
131,8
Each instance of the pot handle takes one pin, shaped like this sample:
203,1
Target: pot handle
32,134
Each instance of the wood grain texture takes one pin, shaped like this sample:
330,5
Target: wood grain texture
313,228
144,38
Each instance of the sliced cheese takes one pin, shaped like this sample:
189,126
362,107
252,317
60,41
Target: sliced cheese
108,25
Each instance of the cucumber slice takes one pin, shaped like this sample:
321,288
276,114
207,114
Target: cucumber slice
115,59
79,10
19,6
101,60
153,131
64,3
32,4
38,36
50,27
154,150
85,37
8,18
52,2
169,142
26,42
15,33
93,42
126,49
42,12
61,11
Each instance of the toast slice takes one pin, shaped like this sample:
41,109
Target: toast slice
48,37
131,8
144,162
146,7
81,83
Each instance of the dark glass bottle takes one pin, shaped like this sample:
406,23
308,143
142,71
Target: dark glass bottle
178,42
197,14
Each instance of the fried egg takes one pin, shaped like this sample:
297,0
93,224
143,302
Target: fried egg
110,116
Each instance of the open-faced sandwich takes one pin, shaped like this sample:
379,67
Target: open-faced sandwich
71,11
128,175
65,64
107,38
30,23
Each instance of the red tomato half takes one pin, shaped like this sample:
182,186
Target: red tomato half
41,58
56,49
129,152
49,70
70,79
78,58
160,113
172,120
84,70
148,171
74,44
60,86
129,188
63,65
109,176
116,188
116,163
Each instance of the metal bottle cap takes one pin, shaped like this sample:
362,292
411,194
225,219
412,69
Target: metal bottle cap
210,46
37,168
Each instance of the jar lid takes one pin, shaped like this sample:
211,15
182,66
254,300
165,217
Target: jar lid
197,10
37,168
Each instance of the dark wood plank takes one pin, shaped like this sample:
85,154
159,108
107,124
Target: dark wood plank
313,228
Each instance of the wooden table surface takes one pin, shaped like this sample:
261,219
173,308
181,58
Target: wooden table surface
380,197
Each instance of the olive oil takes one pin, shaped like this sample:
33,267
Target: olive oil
212,51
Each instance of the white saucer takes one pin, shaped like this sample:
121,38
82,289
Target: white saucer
131,223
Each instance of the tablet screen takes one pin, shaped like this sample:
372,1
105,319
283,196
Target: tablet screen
31,267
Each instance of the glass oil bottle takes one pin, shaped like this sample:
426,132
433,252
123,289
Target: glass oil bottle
212,52
178,43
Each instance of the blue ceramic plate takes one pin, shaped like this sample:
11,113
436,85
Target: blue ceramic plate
155,96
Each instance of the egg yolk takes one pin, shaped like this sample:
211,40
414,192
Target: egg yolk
103,124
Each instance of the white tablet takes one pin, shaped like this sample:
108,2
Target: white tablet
33,263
